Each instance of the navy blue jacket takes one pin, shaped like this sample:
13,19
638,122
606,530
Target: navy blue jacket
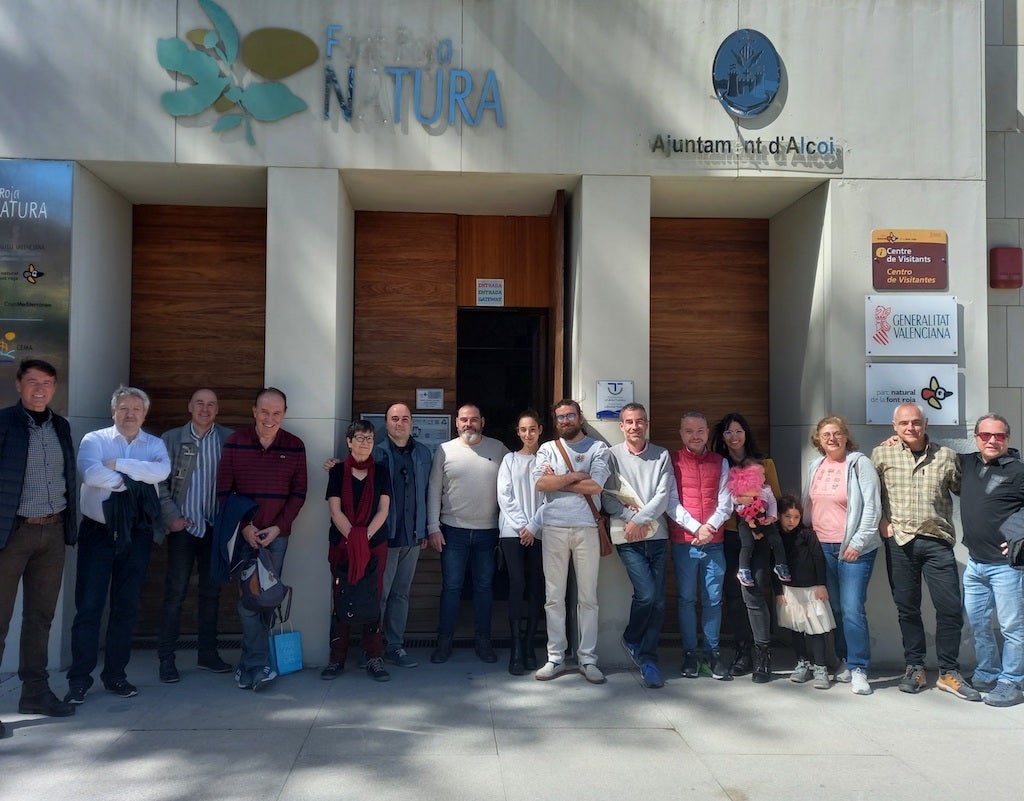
421,461
14,425
989,494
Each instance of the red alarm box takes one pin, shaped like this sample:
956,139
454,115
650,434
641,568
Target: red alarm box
1005,268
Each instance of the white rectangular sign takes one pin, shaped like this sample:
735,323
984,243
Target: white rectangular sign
932,386
429,429
910,324
490,291
611,397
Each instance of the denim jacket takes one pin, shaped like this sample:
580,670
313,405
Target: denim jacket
421,461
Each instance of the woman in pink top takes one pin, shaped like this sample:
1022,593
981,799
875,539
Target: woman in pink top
842,504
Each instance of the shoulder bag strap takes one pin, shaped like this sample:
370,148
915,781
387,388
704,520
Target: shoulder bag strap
568,463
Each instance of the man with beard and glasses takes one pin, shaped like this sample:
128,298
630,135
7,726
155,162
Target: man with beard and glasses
462,521
568,471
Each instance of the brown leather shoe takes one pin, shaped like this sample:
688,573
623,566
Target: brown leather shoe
45,704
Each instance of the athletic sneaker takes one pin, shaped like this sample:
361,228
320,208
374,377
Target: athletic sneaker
952,682
263,678
401,658
745,577
651,676
1005,694
859,682
719,670
332,671
843,672
914,679
691,667
782,571
121,688
375,669
242,679
76,695
821,681
802,672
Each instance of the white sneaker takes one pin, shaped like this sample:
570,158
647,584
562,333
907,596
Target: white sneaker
843,672
860,684
551,670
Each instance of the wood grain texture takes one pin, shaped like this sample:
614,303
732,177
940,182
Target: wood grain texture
516,249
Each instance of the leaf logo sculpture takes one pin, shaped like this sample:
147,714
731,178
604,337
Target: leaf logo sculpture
213,62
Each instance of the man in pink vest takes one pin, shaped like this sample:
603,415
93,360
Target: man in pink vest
698,508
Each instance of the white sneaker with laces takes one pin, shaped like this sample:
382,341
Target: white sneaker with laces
859,681
551,670
843,672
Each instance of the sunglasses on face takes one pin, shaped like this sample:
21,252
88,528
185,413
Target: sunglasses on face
998,436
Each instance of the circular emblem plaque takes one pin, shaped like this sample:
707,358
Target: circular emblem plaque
746,73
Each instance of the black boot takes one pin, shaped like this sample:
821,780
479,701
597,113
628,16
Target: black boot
529,644
762,664
515,656
443,650
742,664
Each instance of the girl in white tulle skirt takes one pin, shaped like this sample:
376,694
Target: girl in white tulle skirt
802,604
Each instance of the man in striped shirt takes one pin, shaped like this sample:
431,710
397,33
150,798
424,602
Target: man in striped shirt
188,501
267,464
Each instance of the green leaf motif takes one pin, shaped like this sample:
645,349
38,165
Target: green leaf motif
225,28
227,122
270,101
175,55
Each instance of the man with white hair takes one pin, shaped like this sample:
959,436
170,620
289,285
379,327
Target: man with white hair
918,479
121,467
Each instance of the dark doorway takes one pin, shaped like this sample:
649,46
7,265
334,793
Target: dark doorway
503,366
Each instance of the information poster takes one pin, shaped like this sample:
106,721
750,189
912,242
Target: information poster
429,429
35,270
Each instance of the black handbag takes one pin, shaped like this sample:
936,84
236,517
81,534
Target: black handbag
360,602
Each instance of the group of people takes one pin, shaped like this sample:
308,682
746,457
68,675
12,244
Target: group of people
716,504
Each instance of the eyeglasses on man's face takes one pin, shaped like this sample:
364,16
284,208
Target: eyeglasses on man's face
565,418
998,436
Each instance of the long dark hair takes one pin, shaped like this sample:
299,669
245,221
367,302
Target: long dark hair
718,437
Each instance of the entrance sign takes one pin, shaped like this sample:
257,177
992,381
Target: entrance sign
909,260
35,270
914,324
932,386
432,398
490,291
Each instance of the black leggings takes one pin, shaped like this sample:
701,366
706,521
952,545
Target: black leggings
525,577
748,611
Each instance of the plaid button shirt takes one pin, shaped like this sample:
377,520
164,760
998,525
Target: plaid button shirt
916,490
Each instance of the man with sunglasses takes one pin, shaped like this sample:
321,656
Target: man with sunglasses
992,489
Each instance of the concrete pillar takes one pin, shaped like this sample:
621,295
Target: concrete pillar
310,230
610,268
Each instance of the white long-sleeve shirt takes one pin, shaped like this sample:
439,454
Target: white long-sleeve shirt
519,504
143,459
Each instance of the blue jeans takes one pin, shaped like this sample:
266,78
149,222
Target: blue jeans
467,546
702,567
256,625
184,551
645,564
101,572
996,588
847,584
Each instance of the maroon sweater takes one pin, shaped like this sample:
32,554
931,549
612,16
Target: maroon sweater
275,477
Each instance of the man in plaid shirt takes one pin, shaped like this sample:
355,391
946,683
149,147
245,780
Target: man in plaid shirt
918,477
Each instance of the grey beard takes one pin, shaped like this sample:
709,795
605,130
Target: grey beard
470,437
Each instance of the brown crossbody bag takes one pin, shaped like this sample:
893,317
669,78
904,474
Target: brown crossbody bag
599,519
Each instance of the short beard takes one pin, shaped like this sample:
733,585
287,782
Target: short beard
470,437
570,433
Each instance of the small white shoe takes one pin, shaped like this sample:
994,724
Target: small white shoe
843,672
551,670
860,684
593,674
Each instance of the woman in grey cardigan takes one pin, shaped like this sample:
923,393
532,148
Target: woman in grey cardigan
843,506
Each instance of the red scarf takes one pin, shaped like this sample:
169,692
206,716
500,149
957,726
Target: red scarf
357,544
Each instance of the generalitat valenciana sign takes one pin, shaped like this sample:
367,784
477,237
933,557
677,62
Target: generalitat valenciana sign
915,324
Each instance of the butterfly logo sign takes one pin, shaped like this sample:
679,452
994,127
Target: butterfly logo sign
934,395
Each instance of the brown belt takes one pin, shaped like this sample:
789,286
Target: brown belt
42,521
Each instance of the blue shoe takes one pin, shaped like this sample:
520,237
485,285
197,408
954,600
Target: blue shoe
1005,694
745,577
263,678
782,571
633,650
651,676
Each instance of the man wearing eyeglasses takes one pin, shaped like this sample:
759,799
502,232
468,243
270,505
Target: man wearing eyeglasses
567,471
917,479
462,518
992,489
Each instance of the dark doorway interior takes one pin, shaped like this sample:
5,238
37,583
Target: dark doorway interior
503,366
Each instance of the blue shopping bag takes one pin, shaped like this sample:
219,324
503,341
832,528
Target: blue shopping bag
286,651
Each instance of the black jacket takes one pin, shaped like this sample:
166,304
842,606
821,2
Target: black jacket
14,427
989,494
